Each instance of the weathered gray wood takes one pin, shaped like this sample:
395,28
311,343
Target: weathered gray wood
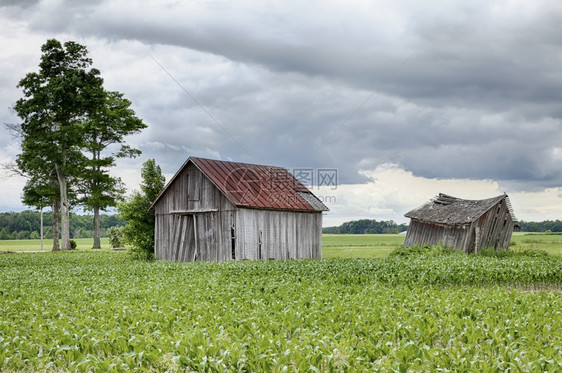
191,212
195,238
181,243
491,229
194,221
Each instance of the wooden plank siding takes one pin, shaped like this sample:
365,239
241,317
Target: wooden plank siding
195,221
424,233
176,233
495,227
278,235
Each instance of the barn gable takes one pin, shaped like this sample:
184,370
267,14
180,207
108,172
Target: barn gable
217,211
463,224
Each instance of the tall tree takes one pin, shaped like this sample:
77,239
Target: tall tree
56,102
139,230
105,128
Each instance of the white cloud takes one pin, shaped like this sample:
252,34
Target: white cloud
392,191
538,205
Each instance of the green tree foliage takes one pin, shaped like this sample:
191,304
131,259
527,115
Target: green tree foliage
5,234
69,132
107,127
543,226
367,226
139,231
56,100
372,226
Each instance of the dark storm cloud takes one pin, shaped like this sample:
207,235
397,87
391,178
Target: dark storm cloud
479,98
18,3
475,59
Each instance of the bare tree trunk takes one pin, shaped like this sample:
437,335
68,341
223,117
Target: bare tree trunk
55,224
97,241
64,210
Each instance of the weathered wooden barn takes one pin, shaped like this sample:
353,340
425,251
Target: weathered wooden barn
218,211
467,225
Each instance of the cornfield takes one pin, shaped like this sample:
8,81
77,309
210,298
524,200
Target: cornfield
84,311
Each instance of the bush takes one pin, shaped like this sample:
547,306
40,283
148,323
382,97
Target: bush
490,252
440,250
532,253
423,251
135,253
139,231
72,245
115,237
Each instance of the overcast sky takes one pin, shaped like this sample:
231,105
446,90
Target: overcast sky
404,100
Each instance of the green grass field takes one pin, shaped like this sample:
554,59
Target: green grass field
551,243
359,245
380,245
337,245
35,245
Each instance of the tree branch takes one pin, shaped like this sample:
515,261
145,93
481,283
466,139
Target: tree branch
10,170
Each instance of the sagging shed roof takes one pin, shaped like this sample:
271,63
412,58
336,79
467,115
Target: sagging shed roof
255,186
445,209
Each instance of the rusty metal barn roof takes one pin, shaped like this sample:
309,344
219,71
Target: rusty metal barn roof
445,209
255,186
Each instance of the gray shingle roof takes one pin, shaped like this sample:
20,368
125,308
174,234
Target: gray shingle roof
445,209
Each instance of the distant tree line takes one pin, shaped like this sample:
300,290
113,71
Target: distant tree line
27,225
543,226
367,226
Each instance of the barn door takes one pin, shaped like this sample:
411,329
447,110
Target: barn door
183,238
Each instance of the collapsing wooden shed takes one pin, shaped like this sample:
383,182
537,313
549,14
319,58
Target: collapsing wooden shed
467,225
218,211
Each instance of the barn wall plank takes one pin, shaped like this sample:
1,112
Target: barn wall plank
284,234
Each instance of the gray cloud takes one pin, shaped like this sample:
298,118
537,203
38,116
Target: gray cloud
479,99
472,60
21,4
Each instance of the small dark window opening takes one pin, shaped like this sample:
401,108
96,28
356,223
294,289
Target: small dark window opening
259,247
233,243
